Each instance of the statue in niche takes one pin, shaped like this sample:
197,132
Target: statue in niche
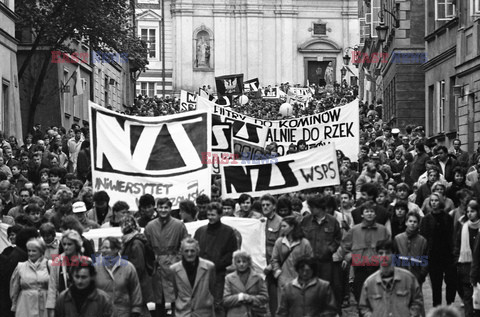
202,58
329,74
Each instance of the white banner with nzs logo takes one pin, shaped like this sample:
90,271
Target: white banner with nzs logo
317,167
161,156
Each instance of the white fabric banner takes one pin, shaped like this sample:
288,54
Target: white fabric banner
285,174
246,130
251,230
188,101
340,125
161,156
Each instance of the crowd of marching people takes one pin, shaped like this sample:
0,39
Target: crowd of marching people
406,209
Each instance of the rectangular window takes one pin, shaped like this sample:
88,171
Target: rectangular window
444,10
5,103
475,7
441,106
147,89
362,30
368,25
376,7
150,37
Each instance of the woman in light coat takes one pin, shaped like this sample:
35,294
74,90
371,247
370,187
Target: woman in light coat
245,292
29,282
118,278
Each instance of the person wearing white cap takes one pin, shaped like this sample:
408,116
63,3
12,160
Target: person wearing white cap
80,211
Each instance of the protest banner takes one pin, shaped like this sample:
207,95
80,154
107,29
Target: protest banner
308,169
188,101
251,85
302,95
251,230
339,125
272,93
229,84
248,134
161,156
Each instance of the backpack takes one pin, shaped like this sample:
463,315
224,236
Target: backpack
150,263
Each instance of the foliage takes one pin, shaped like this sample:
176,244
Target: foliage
106,25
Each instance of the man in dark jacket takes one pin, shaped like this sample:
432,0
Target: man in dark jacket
217,243
445,163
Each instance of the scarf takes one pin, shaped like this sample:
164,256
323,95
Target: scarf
191,270
80,295
465,250
129,236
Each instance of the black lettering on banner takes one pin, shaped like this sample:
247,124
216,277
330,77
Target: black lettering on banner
252,130
341,130
319,172
239,177
222,138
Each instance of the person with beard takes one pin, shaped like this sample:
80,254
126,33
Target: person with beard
165,235
8,265
410,243
391,291
464,245
217,243
133,249
83,298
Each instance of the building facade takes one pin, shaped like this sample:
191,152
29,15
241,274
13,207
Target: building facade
396,78
452,74
10,117
276,41
109,84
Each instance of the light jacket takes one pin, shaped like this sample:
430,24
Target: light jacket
197,301
123,287
405,298
255,287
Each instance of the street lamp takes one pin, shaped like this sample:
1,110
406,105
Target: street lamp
343,71
382,28
346,57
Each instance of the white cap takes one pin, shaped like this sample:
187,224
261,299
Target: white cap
395,131
79,206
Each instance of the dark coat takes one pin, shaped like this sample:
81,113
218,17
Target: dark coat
316,299
449,166
98,304
438,230
134,251
217,244
7,266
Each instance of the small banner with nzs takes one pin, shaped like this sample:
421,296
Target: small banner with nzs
308,169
